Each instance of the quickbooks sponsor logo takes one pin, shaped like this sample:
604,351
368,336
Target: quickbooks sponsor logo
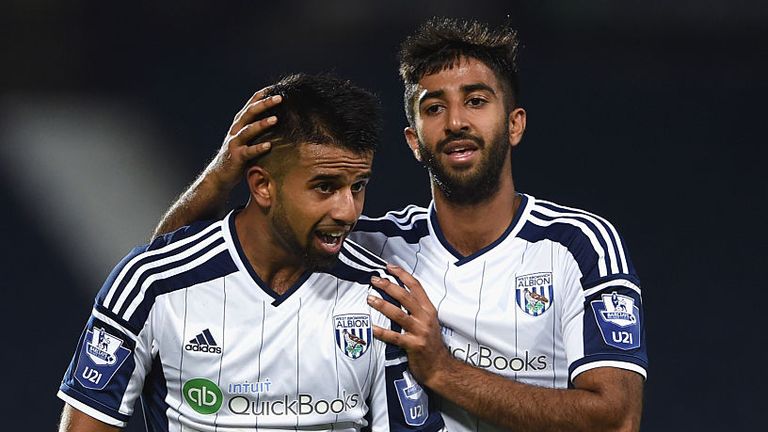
485,358
203,395
305,404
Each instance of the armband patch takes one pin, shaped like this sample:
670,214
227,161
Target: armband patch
101,356
413,400
619,320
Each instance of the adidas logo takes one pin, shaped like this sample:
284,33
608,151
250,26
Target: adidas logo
203,342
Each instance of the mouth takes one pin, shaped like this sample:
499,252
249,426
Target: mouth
330,241
460,150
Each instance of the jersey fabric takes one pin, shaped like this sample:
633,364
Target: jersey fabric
186,323
554,296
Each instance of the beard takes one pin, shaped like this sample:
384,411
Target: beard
479,183
312,258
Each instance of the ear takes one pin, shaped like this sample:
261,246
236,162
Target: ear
261,186
413,142
516,125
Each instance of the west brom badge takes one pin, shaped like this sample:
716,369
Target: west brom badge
534,293
353,334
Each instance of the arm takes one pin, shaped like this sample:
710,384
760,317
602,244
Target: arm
604,399
206,197
73,420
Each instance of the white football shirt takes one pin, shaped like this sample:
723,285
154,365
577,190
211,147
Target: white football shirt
554,296
187,324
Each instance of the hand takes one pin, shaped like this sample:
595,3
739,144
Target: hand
422,341
226,169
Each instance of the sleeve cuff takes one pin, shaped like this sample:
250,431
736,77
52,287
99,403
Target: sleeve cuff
609,363
98,415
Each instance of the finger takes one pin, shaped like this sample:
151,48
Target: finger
413,285
389,336
255,150
397,292
252,130
258,95
253,110
394,313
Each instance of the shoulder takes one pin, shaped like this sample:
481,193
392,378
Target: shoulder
591,239
185,257
410,223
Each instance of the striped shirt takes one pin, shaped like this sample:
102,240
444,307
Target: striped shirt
554,296
187,324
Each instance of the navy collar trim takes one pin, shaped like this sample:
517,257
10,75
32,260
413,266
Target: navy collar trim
279,298
461,259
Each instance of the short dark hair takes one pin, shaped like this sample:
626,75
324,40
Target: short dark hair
440,43
323,109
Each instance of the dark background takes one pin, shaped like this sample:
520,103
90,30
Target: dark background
648,113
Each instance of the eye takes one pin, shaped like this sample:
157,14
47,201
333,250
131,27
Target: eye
359,186
324,188
433,109
476,102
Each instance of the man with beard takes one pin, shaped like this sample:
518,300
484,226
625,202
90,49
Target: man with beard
258,320
529,314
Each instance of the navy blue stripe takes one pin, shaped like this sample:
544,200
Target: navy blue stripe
153,398
216,267
461,259
419,230
75,393
608,228
365,252
572,239
587,218
348,273
136,289
592,227
149,259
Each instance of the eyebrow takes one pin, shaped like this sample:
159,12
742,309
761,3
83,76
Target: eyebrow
467,88
332,177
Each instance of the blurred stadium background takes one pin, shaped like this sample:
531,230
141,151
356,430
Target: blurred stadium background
649,113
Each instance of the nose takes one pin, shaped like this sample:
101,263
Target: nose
345,210
456,121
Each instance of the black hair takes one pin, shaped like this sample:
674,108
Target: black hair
440,43
322,109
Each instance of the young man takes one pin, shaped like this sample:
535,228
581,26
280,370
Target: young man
259,320
530,315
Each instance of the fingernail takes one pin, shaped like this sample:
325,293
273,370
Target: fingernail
277,98
375,279
272,120
371,299
266,145
393,266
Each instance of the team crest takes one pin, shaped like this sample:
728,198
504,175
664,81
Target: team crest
534,293
353,334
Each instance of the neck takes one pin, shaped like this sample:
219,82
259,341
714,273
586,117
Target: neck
277,267
469,228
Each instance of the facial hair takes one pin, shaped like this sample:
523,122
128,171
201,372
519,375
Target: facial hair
312,258
476,186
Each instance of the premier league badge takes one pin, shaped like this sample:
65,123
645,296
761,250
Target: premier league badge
353,334
413,400
618,320
534,293
101,356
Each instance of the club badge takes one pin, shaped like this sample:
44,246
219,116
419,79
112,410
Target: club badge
353,334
